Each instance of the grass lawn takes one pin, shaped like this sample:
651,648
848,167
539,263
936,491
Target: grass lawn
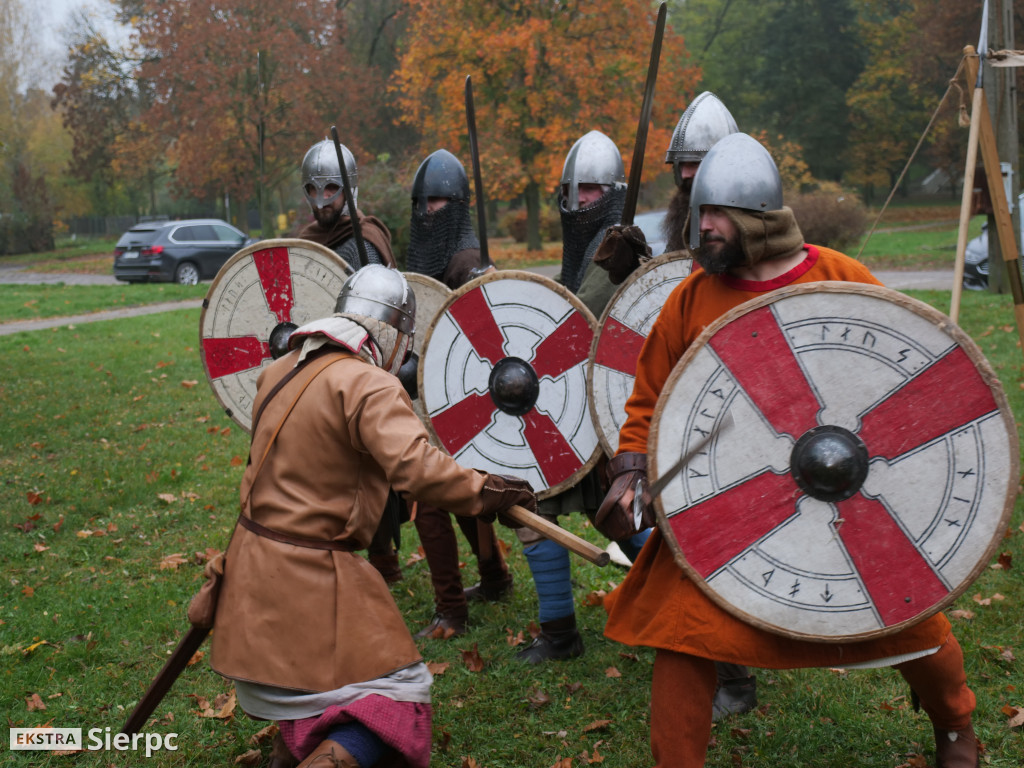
120,474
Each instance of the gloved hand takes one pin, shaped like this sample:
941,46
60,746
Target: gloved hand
501,492
615,516
622,251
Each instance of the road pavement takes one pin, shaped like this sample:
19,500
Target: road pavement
918,280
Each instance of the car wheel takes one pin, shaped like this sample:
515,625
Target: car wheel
187,273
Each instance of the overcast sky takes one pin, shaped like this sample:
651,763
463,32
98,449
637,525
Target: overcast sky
51,18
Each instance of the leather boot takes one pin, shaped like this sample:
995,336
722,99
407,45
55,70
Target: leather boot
734,697
445,625
329,754
558,639
280,755
956,749
490,591
387,565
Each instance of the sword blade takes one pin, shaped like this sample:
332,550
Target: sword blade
640,145
478,185
659,485
346,186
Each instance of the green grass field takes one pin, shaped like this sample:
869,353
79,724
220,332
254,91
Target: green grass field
120,472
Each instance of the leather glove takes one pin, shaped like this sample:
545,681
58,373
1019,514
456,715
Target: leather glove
615,516
622,251
501,492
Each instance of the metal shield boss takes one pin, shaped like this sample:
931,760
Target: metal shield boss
868,477
260,295
622,330
503,379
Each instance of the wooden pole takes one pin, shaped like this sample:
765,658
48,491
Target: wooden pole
1004,223
967,197
549,530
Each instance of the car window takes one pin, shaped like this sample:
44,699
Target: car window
136,237
184,234
227,234
193,232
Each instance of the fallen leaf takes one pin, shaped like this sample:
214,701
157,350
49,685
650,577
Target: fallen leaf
1005,560
1015,716
196,658
534,629
981,600
472,659
33,498
573,688
630,656
28,591
612,672
597,725
264,735
252,757
961,613
171,562
236,461
740,733
438,667
35,703
596,757
469,762
189,384
595,599
32,647
538,698
39,547
514,640
170,498
562,762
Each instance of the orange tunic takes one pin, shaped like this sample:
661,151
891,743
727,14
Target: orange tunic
657,605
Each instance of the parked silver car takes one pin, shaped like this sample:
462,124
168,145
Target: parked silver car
184,252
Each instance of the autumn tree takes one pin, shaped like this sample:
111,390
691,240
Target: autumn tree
543,74
243,87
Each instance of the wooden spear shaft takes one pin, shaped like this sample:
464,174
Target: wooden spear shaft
1004,224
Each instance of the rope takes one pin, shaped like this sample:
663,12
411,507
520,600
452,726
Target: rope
963,107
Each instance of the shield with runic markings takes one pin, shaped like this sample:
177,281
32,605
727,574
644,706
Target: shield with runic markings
260,295
869,474
503,379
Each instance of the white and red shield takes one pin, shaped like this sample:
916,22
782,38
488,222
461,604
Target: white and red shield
870,472
431,295
503,379
258,297
623,328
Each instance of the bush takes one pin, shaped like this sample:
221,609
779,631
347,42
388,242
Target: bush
829,216
514,223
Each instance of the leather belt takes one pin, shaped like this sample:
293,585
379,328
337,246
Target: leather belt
268,533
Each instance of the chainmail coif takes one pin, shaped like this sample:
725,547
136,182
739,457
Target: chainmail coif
435,237
582,232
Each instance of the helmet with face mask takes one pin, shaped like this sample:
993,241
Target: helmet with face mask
380,299
737,172
700,127
593,159
320,170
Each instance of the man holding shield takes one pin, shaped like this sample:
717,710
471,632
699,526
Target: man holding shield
747,244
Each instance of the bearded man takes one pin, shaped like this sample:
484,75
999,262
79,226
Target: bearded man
746,244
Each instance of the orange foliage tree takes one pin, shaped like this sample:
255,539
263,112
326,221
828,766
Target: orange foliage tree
242,85
543,74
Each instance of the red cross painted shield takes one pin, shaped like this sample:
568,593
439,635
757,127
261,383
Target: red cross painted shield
623,328
869,474
260,295
503,379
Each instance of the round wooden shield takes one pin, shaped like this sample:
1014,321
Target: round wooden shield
869,474
431,295
260,295
503,379
623,328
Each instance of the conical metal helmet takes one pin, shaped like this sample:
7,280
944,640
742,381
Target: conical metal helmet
381,293
738,172
593,159
441,174
703,123
320,169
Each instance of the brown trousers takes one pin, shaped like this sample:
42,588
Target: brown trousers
441,549
683,688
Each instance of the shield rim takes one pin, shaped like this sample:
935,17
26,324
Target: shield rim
419,340
562,291
956,334
280,242
658,261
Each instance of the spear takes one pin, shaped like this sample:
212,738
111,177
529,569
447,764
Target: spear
346,186
478,185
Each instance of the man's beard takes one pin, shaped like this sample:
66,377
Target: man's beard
327,216
719,256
